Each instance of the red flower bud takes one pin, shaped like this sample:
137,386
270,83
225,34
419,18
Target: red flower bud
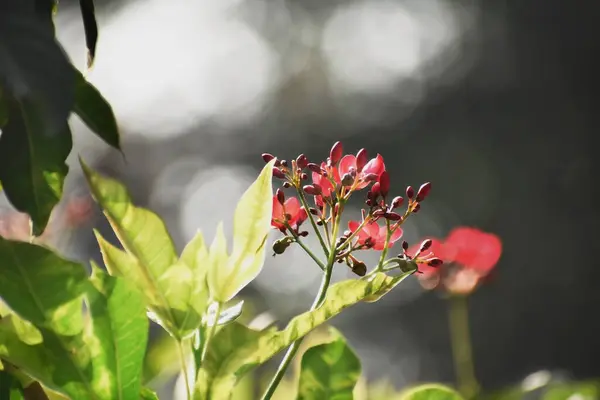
267,157
280,196
423,191
410,192
314,190
405,245
397,202
416,208
384,182
435,262
277,173
314,167
287,185
376,190
284,163
359,268
361,159
336,152
301,161
303,176
425,245
313,211
392,216
378,213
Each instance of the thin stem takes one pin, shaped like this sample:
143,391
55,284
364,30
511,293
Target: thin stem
461,347
211,331
305,247
353,235
312,221
184,369
293,348
385,245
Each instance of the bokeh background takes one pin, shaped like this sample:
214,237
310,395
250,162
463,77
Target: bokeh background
492,101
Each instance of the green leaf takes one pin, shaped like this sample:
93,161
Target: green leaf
90,27
251,227
33,67
147,394
430,391
226,316
10,388
225,343
41,287
118,337
217,379
96,112
329,371
32,163
46,290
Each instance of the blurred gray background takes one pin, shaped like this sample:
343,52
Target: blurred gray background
492,101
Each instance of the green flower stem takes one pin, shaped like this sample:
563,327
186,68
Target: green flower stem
305,247
184,369
293,349
388,236
312,221
461,347
211,331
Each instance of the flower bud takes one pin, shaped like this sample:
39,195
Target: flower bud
267,157
301,161
416,208
392,216
384,183
376,190
314,189
287,185
277,173
378,213
347,179
280,245
313,211
359,268
303,176
284,163
314,167
410,192
361,159
397,202
423,191
435,262
336,152
280,196
404,245
303,233
425,245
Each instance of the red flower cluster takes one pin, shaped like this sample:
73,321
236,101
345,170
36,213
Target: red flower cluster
469,256
333,182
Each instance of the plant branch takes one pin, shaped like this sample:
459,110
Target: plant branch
312,221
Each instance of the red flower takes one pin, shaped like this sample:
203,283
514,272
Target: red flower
292,209
374,234
469,255
327,187
375,166
474,249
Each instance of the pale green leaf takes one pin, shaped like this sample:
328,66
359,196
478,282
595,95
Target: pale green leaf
195,256
220,376
430,391
226,316
251,226
329,371
118,337
149,259
168,296
147,394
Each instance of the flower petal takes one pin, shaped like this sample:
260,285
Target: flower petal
347,162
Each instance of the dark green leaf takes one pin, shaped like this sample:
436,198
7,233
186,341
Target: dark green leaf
119,336
41,287
10,388
430,391
90,26
329,371
32,164
96,112
33,66
217,379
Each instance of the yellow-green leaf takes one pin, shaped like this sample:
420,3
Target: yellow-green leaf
251,226
118,337
430,391
329,371
217,379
